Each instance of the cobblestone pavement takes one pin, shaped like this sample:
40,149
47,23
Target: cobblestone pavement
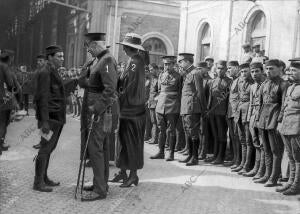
161,189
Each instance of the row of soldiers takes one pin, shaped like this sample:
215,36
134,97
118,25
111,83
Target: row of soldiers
251,101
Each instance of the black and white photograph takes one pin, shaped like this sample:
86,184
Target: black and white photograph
150,106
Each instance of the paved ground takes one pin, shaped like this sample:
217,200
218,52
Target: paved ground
161,189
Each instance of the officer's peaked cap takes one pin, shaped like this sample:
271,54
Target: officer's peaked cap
169,59
188,56
246,45
255,65
273,62
295,62
95,36
244,65
222,62
233,63
209,58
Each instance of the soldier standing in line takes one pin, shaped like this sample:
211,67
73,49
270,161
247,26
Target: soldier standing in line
193,104
217,106
258,77
233,69
101,93
6,85
271,96
244,83
205,128
168,107
152,101
289,128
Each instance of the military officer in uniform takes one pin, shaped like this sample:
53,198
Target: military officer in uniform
244,83
153,68
217,107
168,107
193,104
257,75
290,130
271,97
205,128
233,69
101,93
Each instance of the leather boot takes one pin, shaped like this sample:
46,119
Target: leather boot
238,154
172,148
256,165
48,181
133,179
244,154
295,187
262,167
40,165
268,164
194,160
190,150
246,166
3,146
292,168
203,150
276,171
161,152
221,153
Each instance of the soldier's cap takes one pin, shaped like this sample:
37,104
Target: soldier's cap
273,62
41,56
209,58
222,62
188,56
53,49
255,65
169,59
244,65
9,52
95,36
246,45
202,64
256,45
233,63
295,59
132,40
4,57
295,64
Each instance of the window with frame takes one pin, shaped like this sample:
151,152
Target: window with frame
257,31
205,41
156,48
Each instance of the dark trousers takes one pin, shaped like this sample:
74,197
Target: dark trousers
154,131
47,147
4,121
148,127
25,102
167,126
219,130
180,137
273,148
98,150
234,140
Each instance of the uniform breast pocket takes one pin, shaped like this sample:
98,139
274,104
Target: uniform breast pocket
295,96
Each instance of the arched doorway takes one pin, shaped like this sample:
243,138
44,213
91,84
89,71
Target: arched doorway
204,41
256,32
156,48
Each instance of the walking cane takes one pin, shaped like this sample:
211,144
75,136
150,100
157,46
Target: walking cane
83,160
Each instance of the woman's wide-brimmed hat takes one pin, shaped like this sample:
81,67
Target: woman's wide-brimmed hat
132,40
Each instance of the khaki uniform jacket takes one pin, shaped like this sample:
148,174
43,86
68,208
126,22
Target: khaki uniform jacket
153,93
272,93
290,124
244,86
233,99
253,111
218,96
193,100
169,89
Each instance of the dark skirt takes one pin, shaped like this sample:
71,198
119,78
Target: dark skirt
130,153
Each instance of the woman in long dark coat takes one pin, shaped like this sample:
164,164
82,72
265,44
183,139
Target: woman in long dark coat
132,113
